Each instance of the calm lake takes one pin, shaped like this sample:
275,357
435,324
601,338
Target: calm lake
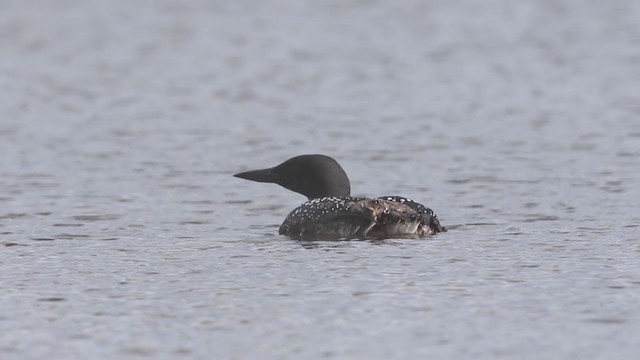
124,235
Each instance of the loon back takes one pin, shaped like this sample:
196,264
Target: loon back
333,218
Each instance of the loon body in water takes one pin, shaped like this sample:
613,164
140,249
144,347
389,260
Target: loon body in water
331,213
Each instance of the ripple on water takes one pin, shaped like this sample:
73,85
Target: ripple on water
99,217
194,222
71,236
14,216
539,217
52,299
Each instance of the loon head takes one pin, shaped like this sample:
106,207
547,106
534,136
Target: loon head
313,176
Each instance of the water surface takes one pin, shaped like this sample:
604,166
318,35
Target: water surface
124,234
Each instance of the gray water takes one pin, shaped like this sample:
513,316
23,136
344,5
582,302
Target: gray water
124,234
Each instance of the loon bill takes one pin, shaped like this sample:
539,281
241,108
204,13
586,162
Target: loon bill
332,214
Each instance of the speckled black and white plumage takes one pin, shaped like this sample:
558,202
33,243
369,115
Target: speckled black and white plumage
428,221
332,218
332,214
328,218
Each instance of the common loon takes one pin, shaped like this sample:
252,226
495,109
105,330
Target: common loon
332,214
